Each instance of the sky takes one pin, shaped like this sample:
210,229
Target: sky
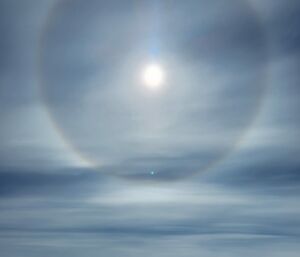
95,163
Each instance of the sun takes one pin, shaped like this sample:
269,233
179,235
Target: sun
153,76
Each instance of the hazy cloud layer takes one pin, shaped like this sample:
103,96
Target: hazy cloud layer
52,203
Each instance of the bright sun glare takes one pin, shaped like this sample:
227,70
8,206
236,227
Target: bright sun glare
153,76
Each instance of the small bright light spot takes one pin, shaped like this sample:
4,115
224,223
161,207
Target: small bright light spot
152,173
153,76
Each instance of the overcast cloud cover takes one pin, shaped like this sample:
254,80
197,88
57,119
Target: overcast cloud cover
79,137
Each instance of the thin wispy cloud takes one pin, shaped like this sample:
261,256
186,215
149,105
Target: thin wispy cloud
95,163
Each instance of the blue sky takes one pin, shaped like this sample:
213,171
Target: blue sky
94,164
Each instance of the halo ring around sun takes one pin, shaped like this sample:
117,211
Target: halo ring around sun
154,76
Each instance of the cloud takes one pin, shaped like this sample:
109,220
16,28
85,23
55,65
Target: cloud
53,204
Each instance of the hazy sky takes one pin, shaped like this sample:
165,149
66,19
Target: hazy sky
93,163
